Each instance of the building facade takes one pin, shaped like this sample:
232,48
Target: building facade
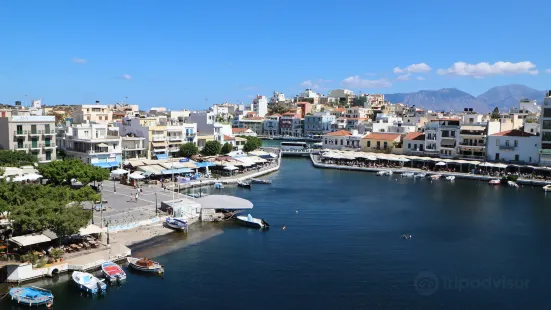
545,121
513,146
98,113
31,134
318,123
380,142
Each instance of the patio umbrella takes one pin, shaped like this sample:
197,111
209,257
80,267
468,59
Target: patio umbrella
369,157
119,172
33,176
230,168
440,163
136,176
19,178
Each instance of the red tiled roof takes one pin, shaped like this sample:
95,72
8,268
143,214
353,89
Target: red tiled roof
254,118
289,113
513,133
339,133
277,114
340,110
239,130
382,136
228,138
415,136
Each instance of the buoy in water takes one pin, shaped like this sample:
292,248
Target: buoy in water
284,227
296,211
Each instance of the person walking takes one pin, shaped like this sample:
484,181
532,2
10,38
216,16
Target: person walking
136,197
131,197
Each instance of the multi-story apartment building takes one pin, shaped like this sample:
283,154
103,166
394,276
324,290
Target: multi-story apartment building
545,151
255,124
357,112
414,143
513,146
260,105
92,143
309,95
318,123
472,141
30,134
206,124
527,109
291,125
306,108
441,137
343,96
98,113
341,139
277,97
271,125
383,122
133,147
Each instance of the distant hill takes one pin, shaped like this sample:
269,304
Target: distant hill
456,100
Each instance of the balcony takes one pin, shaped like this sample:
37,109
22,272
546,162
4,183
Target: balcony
36,146
173,149
473,133
133,148
50,132
35,132
545,151
467,144
49,145
175,138
447,146
21,147
448,138
158,138
20,133
507,147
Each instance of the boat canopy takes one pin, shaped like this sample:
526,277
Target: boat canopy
224,202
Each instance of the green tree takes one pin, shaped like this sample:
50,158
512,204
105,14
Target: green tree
278,108
211,148
226,148
61,172
70,220
9,158
495,114
252,143
189,149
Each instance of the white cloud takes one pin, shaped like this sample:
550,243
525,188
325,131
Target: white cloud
404,77
483,69
79,60
357,82
414,68
547,70
127,76
420,78
309,84
315,84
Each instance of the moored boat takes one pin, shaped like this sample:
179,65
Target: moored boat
32,296
512,184
435,176
494,182
547,188
177,223
408,175
450,178
218,185
144,264
244,184
113,272
250,221
88,283
420,175
384,172
260,181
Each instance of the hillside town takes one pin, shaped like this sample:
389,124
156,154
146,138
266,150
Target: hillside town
107,135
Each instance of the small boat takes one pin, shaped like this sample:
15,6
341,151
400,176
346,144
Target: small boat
250,221
218,185
144,264
420,175
244,184
408,175
113,272
512,184
494,182
88,283
384,172
547,188
435,177
260,181
32,296
194,195
450,178
407,237
177,223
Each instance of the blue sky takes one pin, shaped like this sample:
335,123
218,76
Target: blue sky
177,53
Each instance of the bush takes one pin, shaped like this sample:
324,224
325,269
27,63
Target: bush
189,149
211,148
226,148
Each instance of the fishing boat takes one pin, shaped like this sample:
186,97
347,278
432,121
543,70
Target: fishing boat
420,175
32,296
494,182
177,223
250,221
260,181
547,188
144,264
113,272
218,185
435,177
244,184
450,178
512,184
88,283
384,172
408,175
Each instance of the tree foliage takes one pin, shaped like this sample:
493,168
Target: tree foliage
252,143
10,158
211,148
278,108
226,148
60,172
495,114
189,149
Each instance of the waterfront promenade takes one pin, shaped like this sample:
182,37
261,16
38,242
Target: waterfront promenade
315,158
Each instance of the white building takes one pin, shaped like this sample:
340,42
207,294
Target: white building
277,97
413,143
98,113
92,143
442,136
545,152
343,96
513,146
260,105
30,134
271,125
383,122
342,139
527,109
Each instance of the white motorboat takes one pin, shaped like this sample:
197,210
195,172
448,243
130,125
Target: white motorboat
384,172
177,223
261,181
218,185
408,175
435,177
420,175
512,184
547,188
113,272
250,221
450,178
88,283
494,182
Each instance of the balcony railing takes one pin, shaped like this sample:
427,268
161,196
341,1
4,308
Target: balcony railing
175,138
507,147
48,132
472,144
174,149
545,152
49,145
35,132
21,147
158,138
21,133
37,145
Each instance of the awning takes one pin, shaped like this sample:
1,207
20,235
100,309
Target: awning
103,145
153,169
162,156
50,234
448,143
158,144
27,240
473,128
90,229
175,171
204,164
106,164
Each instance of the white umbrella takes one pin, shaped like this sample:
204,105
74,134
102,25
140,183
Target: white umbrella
19,178
230,168
502,166
440,163
136,176
402,159
369,157
33,176
119,172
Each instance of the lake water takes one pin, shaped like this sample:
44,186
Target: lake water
473,246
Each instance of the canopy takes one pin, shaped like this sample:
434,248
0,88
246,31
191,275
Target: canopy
440,163
19,178
175,171
224,202
33,176
204,164
27,240
106,164
119,172
162,156
103,145
90,229
501,166
136,176
231,168
487,165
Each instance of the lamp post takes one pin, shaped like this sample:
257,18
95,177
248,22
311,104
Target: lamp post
156,212
114,186
200,188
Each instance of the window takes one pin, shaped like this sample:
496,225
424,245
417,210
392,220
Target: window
48,155
530,159
516,143
506,142
409,146
547,123
19,129
497,156
33,128
547,112
546,136
385,144
368,143
420,147
517,157
497,142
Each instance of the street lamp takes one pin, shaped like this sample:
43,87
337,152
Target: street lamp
114,186
156,212
200,188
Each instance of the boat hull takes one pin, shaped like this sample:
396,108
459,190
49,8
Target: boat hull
176,225
156,268
95,286
113,272
252,224
40,297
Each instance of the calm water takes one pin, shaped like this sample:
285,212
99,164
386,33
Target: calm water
473,247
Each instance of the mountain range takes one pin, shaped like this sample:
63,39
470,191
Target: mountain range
502,97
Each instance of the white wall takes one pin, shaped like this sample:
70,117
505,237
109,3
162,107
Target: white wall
527,148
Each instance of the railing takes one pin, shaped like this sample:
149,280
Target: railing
158,138
35,132
36,146
175,138
49,132
174,149
472,144
545,152
49,145
448,146
471,156
20,132
21,147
